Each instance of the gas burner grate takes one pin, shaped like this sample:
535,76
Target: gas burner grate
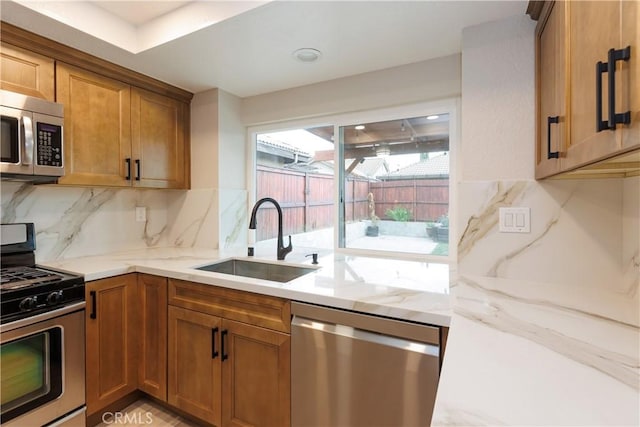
20,277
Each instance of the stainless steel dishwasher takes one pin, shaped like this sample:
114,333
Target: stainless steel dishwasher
350,369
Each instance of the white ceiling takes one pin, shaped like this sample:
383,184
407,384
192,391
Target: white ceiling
245,47
139,13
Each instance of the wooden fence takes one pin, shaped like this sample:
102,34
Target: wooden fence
307,200
426,199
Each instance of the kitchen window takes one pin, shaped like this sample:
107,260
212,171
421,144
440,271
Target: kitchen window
371,183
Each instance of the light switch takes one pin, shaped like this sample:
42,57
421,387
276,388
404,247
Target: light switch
515,220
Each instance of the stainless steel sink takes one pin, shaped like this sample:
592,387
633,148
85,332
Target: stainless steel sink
258,270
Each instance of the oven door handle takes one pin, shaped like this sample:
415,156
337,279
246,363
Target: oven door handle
42,317
94,313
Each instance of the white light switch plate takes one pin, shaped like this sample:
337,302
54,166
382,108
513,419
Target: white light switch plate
515,220
141,214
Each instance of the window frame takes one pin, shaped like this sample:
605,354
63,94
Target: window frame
449,106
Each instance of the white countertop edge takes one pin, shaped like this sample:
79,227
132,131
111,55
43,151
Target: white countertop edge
410,305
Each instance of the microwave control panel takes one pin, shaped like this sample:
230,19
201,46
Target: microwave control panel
49,145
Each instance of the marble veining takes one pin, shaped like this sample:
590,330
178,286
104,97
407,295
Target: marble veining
192,214
621,367
503,260
565,215
73,219
16,198
233,219
460,417
480,224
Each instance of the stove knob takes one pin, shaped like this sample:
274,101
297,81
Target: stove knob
28,303
54,298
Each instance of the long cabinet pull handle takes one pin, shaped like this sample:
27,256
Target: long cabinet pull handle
94,312
600,124
137,169
613,57
223,336
551,120
128,162
214,353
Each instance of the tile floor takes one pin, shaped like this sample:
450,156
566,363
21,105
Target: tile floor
146,413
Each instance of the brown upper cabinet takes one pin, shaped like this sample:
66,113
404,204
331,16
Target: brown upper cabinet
122,129
158,140
26,72
120,136
97,126
588,89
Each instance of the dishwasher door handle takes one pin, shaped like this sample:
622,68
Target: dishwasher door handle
362,335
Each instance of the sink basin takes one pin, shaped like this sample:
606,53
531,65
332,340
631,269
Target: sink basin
258,270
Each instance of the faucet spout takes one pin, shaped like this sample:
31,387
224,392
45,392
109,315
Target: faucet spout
282,250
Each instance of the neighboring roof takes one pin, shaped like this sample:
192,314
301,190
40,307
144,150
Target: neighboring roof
435,167
280,148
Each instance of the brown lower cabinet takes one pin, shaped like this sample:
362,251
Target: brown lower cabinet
219,355
111,341
226,372
126,341
152,343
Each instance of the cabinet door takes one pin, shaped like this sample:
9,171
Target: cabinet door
194,363
256,376
594,29
152,362
551,72
26,72
97,127
111,345
630,73
158,140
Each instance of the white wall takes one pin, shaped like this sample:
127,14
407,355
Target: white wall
577,226
498,107
423,81
204,140
213,213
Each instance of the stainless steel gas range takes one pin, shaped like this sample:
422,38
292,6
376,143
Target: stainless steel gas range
42,337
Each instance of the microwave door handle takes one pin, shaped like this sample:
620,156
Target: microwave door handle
27,158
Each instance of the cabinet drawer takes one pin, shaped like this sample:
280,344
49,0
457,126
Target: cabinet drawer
259,310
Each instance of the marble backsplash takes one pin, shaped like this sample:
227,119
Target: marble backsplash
75,221
584,234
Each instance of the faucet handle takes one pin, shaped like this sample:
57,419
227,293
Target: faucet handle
314,257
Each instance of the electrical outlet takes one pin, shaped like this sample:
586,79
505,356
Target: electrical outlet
515,220
141,214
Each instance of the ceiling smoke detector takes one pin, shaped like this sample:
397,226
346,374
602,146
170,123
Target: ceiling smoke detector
307,54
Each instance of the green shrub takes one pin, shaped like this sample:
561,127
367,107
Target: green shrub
399,214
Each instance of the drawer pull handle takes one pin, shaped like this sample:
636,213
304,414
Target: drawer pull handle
600,124
137,169
128,162
613,57
551,120
94,312
214,353
223,336
609,67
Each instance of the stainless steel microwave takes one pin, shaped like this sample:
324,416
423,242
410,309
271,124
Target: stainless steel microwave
32,138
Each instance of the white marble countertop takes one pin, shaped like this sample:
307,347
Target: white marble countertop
518,353
410,290
540,354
